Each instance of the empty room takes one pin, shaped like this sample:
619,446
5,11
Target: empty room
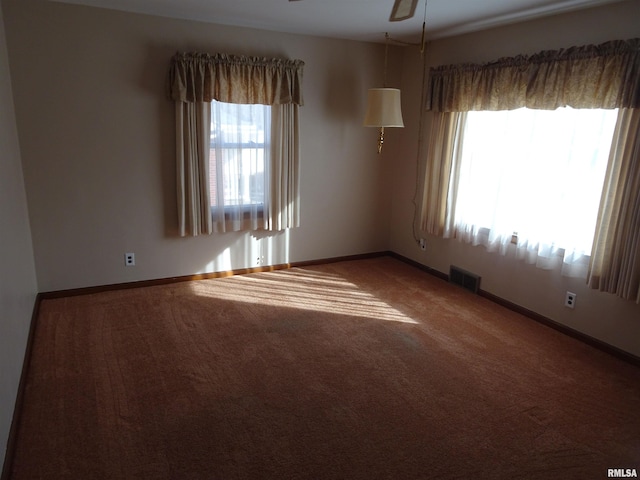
319,239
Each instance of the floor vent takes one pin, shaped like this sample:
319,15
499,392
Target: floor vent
465,279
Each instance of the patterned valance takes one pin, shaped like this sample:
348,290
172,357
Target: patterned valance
203,77
593,76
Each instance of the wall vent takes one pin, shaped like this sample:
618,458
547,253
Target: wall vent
465,279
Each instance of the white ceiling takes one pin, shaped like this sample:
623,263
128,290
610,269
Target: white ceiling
365,20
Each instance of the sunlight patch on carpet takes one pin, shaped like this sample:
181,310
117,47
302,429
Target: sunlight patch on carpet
303,290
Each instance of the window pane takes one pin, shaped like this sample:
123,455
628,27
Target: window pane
239,146
536,173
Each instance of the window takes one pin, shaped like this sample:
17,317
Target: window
533,175
239,156
254,142
584,77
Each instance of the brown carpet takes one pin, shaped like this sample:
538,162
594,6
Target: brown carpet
355,370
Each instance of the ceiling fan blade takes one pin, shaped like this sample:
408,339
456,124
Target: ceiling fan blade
402,10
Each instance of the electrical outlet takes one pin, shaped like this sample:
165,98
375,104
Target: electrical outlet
423,244
570,300
130,259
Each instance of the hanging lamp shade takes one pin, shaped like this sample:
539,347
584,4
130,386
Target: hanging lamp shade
383,108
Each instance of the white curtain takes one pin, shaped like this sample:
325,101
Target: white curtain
239,153
254,177
534,176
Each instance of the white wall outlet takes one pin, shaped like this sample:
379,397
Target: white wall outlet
570,300
129,259
423,244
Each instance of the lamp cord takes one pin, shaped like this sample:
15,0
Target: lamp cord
386,55
421,135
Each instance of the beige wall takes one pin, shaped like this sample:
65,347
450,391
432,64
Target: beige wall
599,315
17,274
97,139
